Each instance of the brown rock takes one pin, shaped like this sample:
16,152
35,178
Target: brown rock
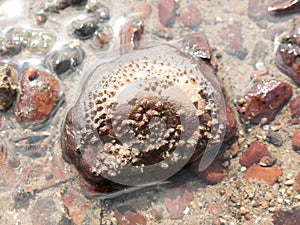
296,140
126,215
214,174
233,41
38,98
167,12
191,16
263,100
287,55
254,154
231,125
177,198
291,217
297,183
270,175
196,46
130,35
295,110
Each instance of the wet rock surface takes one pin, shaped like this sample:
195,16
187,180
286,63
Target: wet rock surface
39,95
263,100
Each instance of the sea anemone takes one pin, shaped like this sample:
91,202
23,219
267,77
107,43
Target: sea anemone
144,116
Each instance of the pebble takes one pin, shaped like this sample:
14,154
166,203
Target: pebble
270,175
268,196
254,154
126,215
8,86
65,59
295,110
244,211
84,29
297,197
296,140
191,16
274,138
100,39
39,95
232,40
130,35
10,47
257,9
231,125
297,183
214,174
167,12
287,55
263,100
289,182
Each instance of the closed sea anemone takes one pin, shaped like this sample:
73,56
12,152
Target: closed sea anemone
144,116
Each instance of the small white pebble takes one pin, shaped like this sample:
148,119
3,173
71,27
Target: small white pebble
289,182
186,211
297,197
260,66
272,209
